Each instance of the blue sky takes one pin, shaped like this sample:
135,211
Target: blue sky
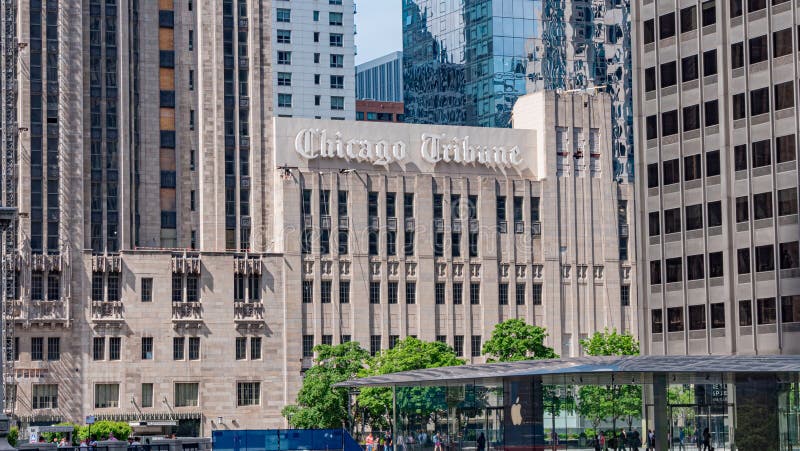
379,28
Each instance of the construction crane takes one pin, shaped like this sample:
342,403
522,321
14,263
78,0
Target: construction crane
9,130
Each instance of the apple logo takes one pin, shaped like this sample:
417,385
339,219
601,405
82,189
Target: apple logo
516,412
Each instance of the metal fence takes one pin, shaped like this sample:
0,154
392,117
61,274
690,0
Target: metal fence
284,440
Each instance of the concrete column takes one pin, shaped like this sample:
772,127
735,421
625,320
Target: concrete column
660,412
757,412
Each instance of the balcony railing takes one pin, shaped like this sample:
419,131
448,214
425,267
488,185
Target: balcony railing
248,311
186,264
47,311
187,311
107,311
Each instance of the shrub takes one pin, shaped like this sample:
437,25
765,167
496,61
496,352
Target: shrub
102,429
13,436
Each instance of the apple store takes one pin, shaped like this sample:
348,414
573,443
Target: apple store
731,402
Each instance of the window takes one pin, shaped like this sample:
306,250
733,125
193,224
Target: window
284,57
655,272
649,31
411,293
672,171
147,395
743,261
714,213
709,63
337,103
717,315
325,292
782,42
284,100
625,295
765,258
248,394
408,243
97,286
789,256
308,345
374,344
114,348
694,267
192,291
650,79
475,348
337,81
759,50
519,294
766,313
344,292
241,348
785,148
694,217
106,395
669,123
692,167
54,343
44,396
316,16
194,348
745,313
536,293
653,225
668,74
316,36
761,153
147,348
374,292
458,292
391,242
458,345
652,175
787,201
697,317
284,36
284,15
336,40
393,339
335,19
784,95
187,394
147,289
709,13
54,286
711,109
308,291
393,288
98,348
715,268
737,55
790,309
762,205
672,221
284,79
689,70
657,321
688,19
666,26
652,126
37,348
674,269
474,293
439,293
337,61
37,286
712,163
455,246
736,8
675,319
759,101
739,106
740,157
502,294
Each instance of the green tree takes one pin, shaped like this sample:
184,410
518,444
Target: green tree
514,340
318,404
598,403
101,430
375,403
13,436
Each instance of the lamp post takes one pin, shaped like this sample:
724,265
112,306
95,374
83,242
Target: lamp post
7,217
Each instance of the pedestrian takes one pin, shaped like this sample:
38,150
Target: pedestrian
681,438
602,441
387,443
651,440
437,442
597,445
637,440
623,441
370,441
481,442
707,440
84,445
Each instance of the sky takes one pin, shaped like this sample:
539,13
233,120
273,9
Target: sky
379,28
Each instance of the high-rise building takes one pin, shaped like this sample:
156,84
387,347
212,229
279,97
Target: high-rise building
467,63
381,79
717,177
314,58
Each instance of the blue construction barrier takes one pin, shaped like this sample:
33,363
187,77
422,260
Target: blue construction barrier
284,440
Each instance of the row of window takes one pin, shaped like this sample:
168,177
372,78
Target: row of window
336,81
336,102
336,60
692,169
107,395
284,15
766,313
376,342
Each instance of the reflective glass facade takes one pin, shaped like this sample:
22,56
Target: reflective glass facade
466,63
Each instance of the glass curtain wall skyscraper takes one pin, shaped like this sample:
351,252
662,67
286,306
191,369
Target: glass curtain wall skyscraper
466,63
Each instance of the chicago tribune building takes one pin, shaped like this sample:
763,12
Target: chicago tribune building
181,278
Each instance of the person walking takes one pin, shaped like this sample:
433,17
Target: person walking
681,438
623,441
370,442
437,442
481,442
651,440
707,440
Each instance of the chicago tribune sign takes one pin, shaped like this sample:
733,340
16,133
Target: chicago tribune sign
313,143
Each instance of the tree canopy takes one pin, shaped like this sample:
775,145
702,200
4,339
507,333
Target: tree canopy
319,405
514,340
